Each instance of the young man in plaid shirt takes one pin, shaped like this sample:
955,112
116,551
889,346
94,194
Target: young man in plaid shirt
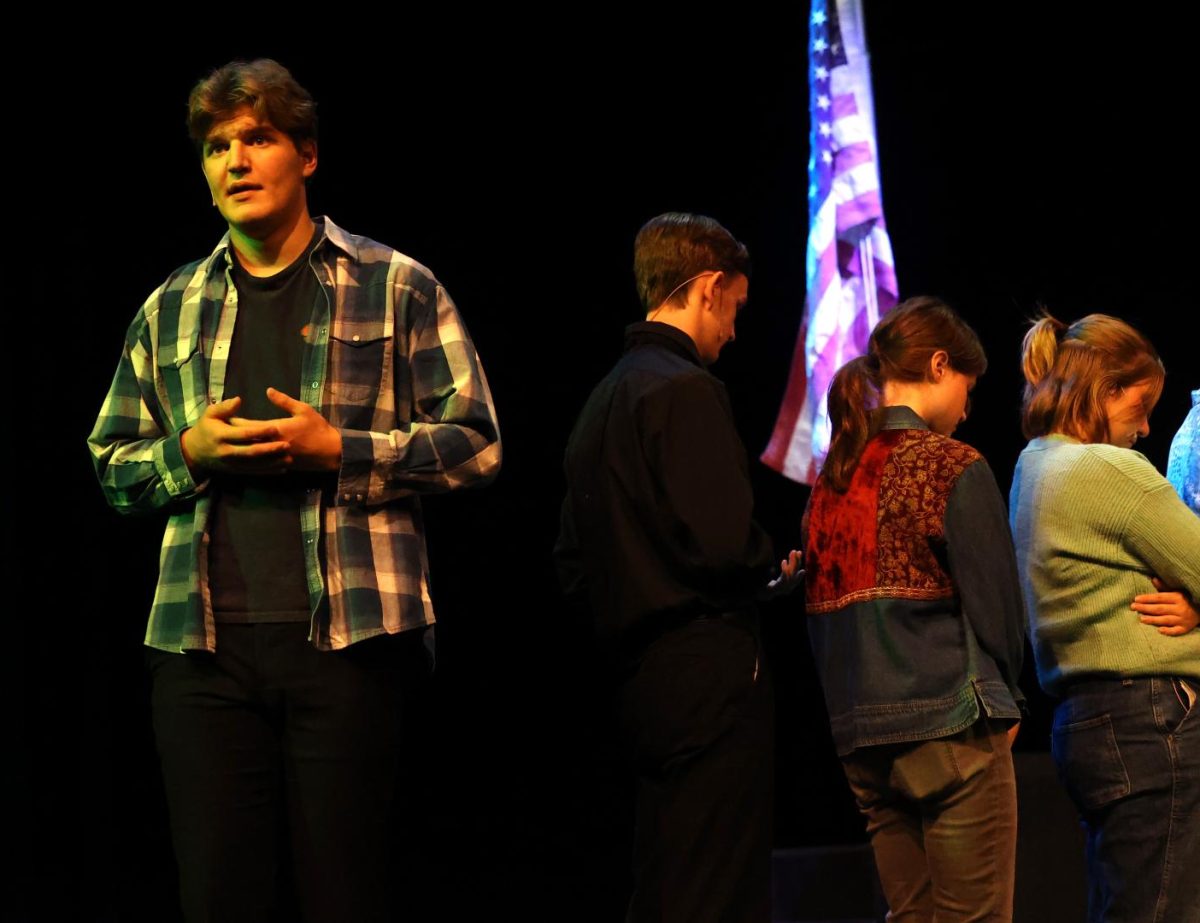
286,400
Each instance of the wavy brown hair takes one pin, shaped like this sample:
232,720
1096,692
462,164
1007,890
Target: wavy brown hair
266,86
900,348
1071,371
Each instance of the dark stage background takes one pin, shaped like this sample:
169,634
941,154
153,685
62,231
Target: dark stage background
1024,161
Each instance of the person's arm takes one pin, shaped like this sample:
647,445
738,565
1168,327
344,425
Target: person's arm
453,440
983,566
136,451
1164,534
1183,461
145,456
700,463
567,560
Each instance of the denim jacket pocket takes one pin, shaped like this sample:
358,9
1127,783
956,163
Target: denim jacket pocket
1089,762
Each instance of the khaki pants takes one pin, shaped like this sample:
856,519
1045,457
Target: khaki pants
942,817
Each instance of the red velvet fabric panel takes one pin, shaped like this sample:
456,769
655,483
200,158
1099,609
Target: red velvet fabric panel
841,555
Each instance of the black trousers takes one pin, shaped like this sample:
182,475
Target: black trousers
696,714
279,757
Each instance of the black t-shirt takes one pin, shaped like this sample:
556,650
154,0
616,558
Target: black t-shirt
256,548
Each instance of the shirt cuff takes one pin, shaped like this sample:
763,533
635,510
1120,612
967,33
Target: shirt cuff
358,461
172,469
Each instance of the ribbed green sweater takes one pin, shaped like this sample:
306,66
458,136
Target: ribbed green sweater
1092,524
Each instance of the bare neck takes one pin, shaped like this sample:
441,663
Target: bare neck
914,395
275,251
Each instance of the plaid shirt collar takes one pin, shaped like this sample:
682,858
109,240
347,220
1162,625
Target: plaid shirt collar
222,253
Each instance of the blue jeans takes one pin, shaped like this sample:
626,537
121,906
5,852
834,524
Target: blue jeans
1128,752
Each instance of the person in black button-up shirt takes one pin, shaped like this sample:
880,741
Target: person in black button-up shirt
658,536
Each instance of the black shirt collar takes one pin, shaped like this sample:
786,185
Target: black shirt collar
653,333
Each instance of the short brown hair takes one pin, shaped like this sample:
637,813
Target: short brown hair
672,248
265,86
1070,371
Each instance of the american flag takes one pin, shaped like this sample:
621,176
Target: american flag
850,271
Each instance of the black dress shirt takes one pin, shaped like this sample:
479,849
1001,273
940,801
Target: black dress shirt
657,524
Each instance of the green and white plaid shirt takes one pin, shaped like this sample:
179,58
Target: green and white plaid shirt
386,360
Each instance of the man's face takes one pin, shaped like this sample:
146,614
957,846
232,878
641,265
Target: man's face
256,173
729,294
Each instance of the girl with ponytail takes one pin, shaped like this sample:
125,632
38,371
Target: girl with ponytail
916,621
1099,532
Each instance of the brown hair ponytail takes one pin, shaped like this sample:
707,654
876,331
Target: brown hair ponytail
853,393
1040,347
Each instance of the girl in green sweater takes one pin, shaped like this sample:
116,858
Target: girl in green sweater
1109,559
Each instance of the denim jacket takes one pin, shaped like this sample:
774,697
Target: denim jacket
915,611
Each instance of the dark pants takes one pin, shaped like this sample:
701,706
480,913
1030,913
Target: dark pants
277,755
1128,752
942,817
696,715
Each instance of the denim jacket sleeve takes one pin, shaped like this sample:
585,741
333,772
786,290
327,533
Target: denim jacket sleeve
984,569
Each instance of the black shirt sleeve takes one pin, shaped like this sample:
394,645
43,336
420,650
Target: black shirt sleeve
706,499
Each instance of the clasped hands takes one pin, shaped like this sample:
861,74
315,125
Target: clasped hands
302,440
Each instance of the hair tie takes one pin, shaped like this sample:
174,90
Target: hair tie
1056,325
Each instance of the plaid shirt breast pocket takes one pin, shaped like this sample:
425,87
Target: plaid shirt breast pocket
360,374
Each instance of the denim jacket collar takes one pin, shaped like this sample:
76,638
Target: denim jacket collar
900,416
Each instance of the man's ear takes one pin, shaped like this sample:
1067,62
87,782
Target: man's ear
708,289
308,153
